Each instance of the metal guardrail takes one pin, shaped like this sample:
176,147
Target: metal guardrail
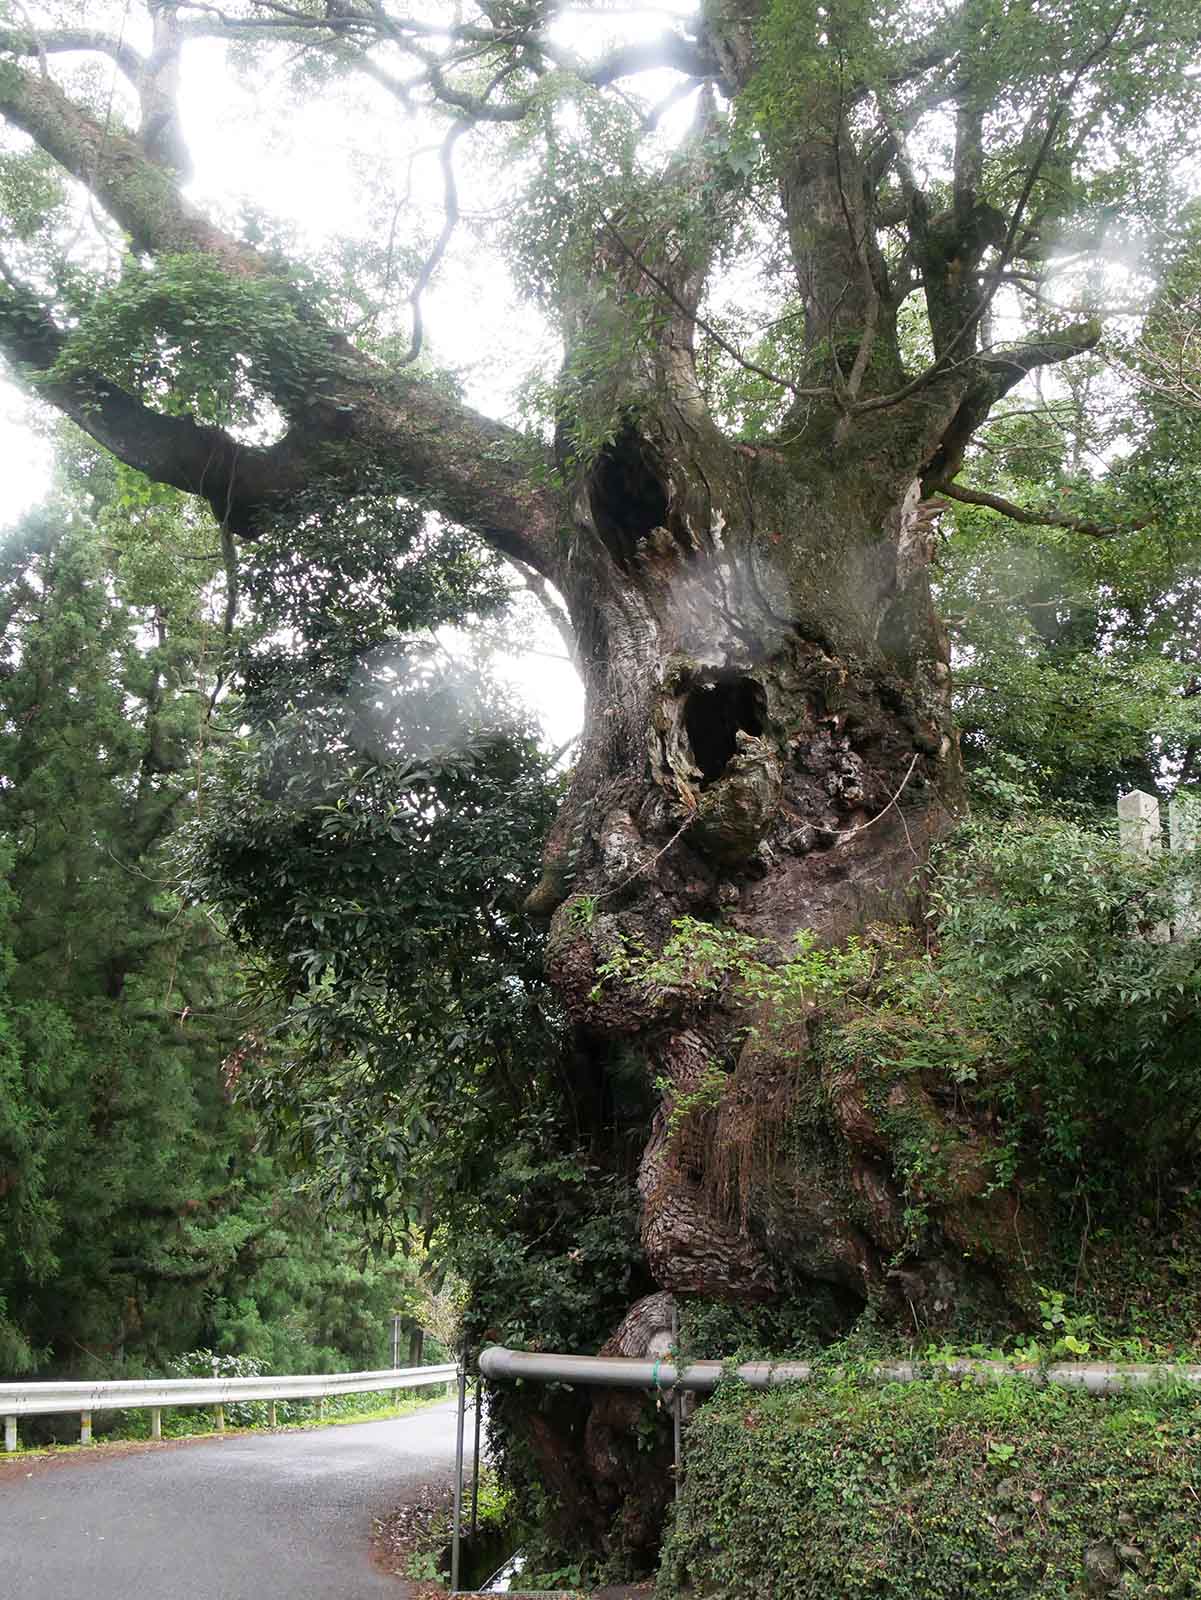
702,1377
154,1394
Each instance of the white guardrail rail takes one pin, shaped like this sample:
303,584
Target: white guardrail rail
155,1394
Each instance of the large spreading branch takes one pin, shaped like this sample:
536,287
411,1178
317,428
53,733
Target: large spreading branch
441,49
476,471
72,41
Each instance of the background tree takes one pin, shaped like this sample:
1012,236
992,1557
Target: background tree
141,1215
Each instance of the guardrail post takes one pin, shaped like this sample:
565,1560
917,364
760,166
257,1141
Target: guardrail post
156,1422
271,1422
677,1413
475,1460
321,1408
10,1433
219,1417
85,1427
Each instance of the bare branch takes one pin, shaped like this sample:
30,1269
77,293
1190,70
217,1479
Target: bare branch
707,327
450,205
1039,519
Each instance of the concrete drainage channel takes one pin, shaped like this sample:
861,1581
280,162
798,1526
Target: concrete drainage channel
499,1365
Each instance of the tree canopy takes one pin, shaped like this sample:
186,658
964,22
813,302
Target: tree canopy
935,188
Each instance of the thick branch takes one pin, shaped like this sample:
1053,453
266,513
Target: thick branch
137,192
1007,367
474,470
669,51
421,39
450,218
993,374
62,41
173,450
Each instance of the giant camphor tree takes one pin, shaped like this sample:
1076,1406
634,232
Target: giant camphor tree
913,202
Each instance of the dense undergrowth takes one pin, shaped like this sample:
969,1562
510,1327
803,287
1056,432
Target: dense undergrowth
938,1492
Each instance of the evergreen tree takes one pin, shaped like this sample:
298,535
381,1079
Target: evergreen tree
141,1217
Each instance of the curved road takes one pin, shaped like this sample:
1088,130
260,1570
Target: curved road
282,1516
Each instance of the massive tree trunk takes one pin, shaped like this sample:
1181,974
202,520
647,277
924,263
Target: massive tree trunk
768,746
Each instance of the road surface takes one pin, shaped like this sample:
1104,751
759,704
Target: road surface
283,1516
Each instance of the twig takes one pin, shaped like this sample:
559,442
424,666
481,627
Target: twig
450,222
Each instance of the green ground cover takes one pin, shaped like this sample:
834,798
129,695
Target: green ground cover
939,1491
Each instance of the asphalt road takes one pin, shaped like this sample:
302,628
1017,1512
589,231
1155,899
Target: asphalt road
283,1516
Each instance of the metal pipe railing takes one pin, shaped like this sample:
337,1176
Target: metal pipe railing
499,1364
702,1377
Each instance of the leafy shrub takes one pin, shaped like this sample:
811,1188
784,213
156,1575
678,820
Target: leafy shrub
208,1364
937,1492
1046,1000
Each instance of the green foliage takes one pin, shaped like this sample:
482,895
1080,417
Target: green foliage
368,845
1041,1038
1061,636
705,1096
1076,654
192,338
1046,1009
31,192
136,1213
711,1330
701,960
107,970
343,594
933,1491
1039,927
